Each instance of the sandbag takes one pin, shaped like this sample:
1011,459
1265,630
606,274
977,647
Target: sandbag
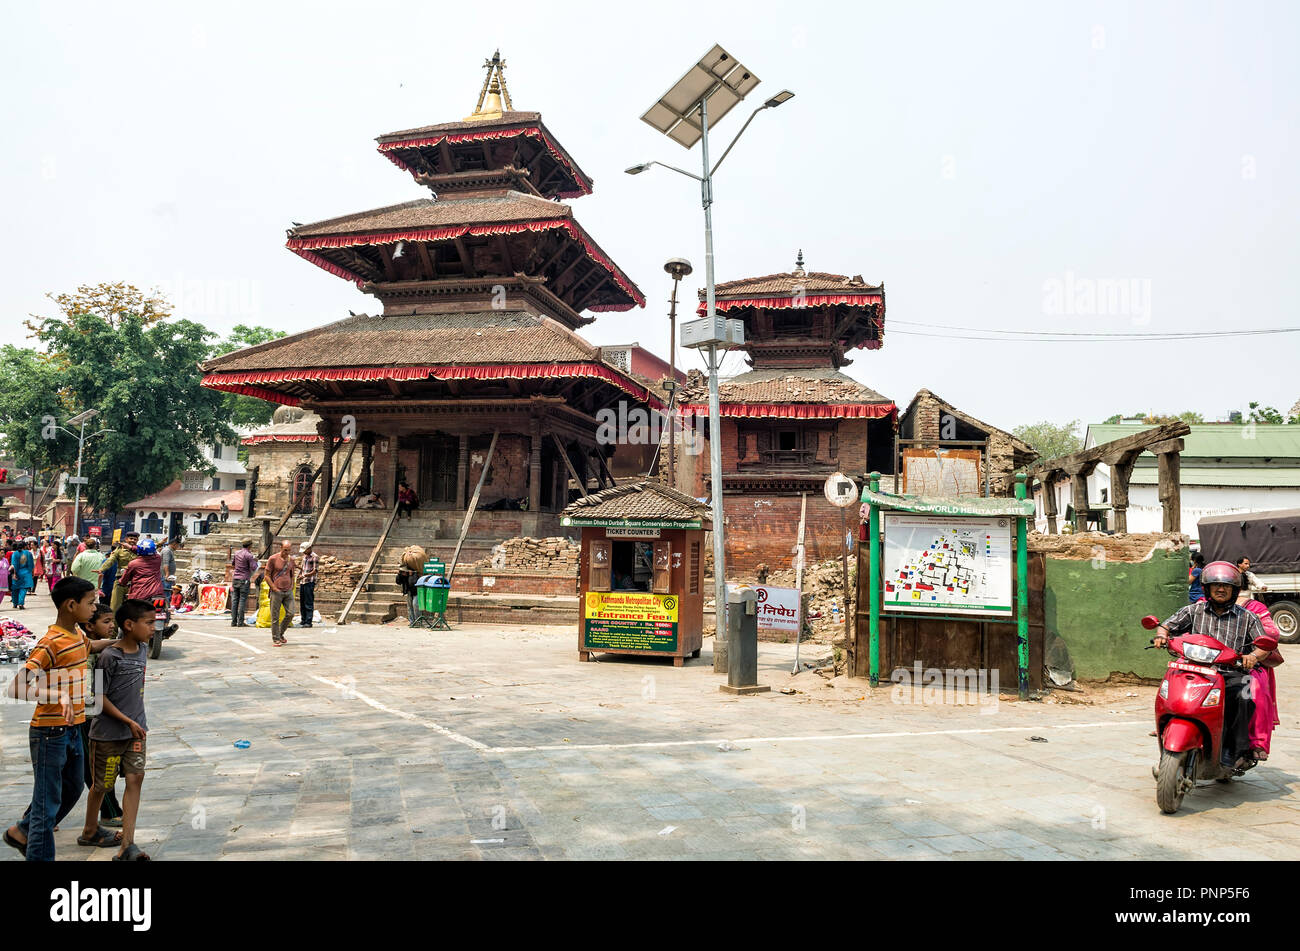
264,608
414,557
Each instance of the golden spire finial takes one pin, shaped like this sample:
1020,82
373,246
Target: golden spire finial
493,91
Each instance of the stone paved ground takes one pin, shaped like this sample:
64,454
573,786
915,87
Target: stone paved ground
491,743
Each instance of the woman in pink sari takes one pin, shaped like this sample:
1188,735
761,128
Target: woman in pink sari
1263,682
52,553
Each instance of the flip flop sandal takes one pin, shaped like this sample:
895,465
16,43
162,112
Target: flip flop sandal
15,844
103,839
132,854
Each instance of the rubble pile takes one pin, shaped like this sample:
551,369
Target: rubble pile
556,554
335,574
1085,546
823,590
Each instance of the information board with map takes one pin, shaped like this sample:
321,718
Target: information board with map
628,620
947,565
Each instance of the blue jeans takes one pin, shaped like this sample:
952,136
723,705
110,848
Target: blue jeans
59,775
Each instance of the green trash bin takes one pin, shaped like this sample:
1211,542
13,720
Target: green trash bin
431,594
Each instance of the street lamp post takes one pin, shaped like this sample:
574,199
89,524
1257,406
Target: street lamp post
678,268
81,419
716,74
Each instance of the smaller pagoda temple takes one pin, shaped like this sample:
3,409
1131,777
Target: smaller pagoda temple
794,418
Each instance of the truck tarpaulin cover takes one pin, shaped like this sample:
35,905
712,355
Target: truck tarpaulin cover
1271,540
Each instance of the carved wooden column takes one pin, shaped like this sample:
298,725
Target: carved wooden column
1049,480
1169,471
462,470
325,429
1078,474
1121,471
535,464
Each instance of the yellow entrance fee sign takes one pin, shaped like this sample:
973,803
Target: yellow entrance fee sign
631,606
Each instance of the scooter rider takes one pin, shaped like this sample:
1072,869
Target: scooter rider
1220,617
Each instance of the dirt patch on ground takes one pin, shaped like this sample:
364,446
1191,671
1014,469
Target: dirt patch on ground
1084,546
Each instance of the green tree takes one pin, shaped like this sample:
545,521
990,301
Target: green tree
1050,440
1269,414
140,371
246,410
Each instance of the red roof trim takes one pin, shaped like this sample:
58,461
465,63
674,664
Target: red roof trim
535,132
303,247
246,381
797,410
789,303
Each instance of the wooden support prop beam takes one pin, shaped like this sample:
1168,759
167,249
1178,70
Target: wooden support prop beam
329,502
600,457
473,504
1168,446
568,464
466,259
386,256
504,247
431,272
370,565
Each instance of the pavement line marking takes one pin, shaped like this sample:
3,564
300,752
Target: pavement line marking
222,637
429,724
800,739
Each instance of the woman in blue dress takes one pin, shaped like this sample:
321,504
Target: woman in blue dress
21,565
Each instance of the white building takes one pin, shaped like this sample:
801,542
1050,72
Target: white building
193,502
1224,468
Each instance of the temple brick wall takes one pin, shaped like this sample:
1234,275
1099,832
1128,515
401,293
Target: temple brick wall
762,529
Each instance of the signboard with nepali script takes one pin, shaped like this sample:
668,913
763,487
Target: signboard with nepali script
777,608
629,620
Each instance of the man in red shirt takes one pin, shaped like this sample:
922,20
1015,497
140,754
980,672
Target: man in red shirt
279,573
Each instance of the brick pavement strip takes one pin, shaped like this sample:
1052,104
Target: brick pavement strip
496,744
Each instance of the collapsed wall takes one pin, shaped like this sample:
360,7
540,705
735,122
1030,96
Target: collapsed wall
1096,591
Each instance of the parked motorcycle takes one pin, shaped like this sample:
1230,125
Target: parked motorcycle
162,626
1190,716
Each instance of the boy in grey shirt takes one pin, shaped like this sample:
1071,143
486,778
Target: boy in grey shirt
117,737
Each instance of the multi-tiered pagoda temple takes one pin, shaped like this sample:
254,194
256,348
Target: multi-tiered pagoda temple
794,418
481,286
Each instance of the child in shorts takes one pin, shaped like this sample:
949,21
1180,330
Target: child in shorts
100,630
117,737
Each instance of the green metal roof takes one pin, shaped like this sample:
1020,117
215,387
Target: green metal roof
1217,441
1234,476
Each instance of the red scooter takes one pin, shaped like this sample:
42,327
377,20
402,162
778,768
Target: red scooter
1190,716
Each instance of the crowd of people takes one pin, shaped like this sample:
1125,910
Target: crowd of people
27,563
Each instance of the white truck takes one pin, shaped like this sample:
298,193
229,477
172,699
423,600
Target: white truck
1271,540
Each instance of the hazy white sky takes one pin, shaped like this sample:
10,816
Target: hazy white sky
992,163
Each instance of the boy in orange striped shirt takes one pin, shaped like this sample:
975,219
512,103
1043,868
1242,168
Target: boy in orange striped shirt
55,677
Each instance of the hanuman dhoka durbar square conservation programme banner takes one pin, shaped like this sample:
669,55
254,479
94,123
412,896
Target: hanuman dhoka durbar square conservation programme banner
630,620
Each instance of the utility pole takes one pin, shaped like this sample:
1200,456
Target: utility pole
678,268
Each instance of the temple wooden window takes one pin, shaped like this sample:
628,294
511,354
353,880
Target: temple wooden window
787,440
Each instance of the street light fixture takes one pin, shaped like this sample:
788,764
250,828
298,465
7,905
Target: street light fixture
711,88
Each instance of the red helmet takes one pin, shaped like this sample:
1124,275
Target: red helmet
1221,572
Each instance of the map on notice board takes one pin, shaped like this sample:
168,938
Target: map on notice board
946,565
946,472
